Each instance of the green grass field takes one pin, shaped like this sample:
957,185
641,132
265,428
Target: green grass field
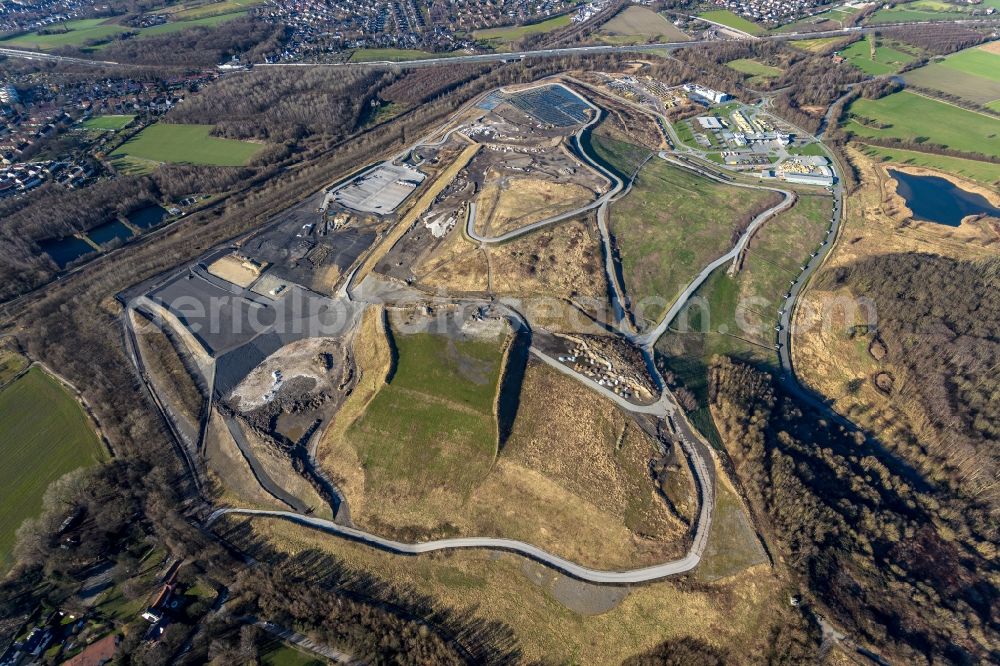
753,67
107,122
816,45
392,55
433,424
902,14
908,116
78,33
736,315
186,144
508,35
621,157
184,12
976,61
726,17
887,59
671,224
277,653
44,434
980,172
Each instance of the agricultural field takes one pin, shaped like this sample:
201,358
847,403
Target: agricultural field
831,19
107,122
186,144
77,33
985,173
44,434
736,315
972,74
671,224
887,59
728,18
637,25
919,11
94,34
906,115
188,11
502,37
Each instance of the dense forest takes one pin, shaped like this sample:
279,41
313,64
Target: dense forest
938,321
899,564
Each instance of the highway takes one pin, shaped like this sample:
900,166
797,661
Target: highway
539,53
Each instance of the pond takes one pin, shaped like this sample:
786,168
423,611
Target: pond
147,217
64,251
935,199
106,233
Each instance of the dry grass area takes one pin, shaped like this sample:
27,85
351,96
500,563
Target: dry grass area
506,204
572,478
561,262
233,269
736,615
166,368
826,356
230,475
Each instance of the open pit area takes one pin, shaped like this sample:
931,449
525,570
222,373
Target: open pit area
365,356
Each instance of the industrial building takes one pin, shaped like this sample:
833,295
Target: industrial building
705,95
380,190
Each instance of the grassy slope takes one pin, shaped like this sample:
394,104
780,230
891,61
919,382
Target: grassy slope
910,115
277,653
753,67
44,434
736,315
432,424
981,172
735,614
671,224
186,144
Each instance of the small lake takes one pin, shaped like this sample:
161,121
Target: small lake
64,251
108,232
147,217
935,199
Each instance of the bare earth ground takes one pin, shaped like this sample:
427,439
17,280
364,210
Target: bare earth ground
232,269
571,477
229,472
302,358
506,204
644,22
826,357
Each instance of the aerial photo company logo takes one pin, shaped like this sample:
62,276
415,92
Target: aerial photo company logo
301,313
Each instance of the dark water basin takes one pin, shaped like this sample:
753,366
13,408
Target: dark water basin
64,251
106,233
935,199
147,217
